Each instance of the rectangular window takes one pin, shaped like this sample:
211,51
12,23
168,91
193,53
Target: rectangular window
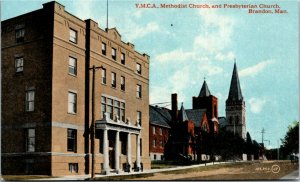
117,108
19,64
153,130
113,80
73,167
72,140
123,83
30,100
103,48
139,117
138,68
110,108
113,53
73,36
123,58
160,131
20,34
103,76
72,66
141,147
138,91
122,112
154,143
103,106
161,143
30,140
72,102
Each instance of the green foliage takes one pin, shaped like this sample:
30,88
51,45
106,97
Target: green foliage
291,140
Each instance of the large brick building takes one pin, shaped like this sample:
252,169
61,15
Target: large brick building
46,96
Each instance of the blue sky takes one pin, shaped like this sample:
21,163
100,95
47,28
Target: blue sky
186,45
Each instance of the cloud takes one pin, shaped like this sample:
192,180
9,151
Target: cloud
83,9
225,57
254,70
257,104
175,55
133,30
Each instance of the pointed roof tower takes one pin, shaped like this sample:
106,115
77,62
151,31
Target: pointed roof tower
204,92
235,92
182,116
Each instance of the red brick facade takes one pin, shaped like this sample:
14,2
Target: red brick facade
158,137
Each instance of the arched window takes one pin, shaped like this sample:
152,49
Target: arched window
237,120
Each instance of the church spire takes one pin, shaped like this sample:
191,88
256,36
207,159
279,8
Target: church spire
204,92
182,114
235,92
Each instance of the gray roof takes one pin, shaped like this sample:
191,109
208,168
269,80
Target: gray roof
222,121
182,114
235,92
195,115
204,92
159,116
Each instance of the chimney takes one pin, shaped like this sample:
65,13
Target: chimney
174,107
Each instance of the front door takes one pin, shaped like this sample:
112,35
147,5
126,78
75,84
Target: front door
111,154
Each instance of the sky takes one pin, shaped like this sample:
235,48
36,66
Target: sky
185,45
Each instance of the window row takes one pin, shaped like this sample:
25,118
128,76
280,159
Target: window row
154,130
113,79
113,108
158,143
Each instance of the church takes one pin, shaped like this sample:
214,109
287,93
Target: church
192,130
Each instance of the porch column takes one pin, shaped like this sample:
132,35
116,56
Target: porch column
117,152
105,151
129,150
138,152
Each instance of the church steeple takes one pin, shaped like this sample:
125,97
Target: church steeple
182,114
204,92
235,92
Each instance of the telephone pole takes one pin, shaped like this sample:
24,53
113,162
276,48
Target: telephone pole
262,136
93,128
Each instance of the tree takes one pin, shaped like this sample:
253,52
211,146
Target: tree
291,139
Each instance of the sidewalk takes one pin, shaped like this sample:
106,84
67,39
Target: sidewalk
149,171
292,176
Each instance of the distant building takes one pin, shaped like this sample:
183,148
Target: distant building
158,131
47,96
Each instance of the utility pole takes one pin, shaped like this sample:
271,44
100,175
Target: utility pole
93,128
278,150
262,136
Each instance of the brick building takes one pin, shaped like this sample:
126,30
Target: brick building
46,96
158,131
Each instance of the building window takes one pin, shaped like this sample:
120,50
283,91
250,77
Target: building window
154,156
103,76
123,83
72,140
113,80
113,53
139,117
138,91
73,36
123,58
19,64
72,102
20,34
30,100
30,140
161,143
103,106
138,68
110,108
113,107
153,130
154,143
103,48
237,120
160,131
117,108
72,66
73,167
230,120
123,145
122,112
141,147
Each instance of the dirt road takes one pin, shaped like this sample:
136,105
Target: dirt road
242,171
